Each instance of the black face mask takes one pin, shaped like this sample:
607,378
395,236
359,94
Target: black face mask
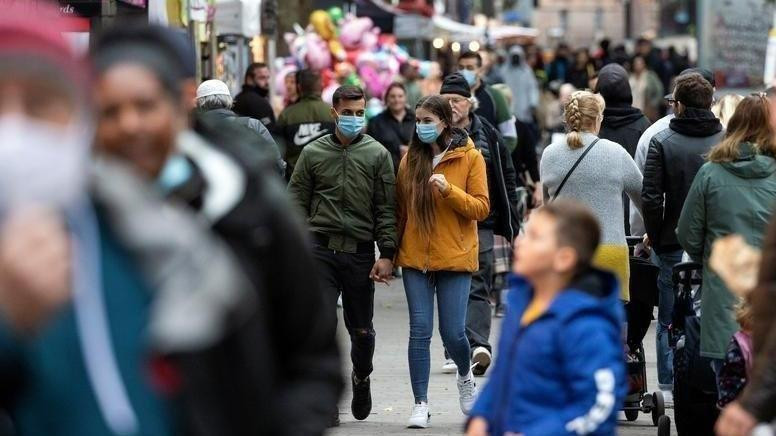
516,60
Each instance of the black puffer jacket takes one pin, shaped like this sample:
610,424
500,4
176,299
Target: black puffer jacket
286,351
502,184
675,155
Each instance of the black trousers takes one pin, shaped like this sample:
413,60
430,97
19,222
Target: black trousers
478,313
348,274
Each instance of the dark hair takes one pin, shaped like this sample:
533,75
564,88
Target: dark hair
419,157
472,55
309,82
158,49
575,227
692,90
347,92
749,123
638,56
252,69
391,87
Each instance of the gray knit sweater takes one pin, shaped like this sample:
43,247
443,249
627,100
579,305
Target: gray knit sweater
599,181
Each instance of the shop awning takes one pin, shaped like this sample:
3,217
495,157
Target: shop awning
453,30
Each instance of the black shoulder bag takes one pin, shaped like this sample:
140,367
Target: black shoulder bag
573,167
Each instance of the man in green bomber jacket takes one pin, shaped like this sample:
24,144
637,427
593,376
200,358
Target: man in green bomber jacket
344,183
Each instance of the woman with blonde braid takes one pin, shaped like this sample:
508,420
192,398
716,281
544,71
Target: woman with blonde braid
595,172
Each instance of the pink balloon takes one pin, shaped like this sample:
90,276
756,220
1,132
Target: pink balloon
354,29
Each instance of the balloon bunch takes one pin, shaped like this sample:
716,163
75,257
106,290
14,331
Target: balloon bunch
348,50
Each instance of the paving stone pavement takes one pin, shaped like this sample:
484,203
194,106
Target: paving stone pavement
391,391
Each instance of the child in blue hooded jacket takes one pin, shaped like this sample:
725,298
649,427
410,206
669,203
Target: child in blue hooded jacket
560,367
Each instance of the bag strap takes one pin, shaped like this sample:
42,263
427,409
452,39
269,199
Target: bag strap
573,167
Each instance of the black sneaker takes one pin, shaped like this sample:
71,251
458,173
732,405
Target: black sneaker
361,406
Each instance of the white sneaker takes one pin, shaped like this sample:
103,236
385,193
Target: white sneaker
668,399
481,358
421,417
467,392
449,367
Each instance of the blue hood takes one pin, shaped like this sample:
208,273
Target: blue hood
599,291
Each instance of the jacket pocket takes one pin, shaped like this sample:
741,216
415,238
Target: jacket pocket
388,185
314,208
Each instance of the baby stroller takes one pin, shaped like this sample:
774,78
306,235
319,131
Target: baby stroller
643,298
695,387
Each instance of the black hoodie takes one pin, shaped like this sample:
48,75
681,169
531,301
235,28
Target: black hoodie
623,123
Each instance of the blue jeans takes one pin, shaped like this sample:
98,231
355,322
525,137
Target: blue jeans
665,285
452,292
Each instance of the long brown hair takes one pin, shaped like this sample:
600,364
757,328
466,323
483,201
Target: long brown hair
750,123
419,158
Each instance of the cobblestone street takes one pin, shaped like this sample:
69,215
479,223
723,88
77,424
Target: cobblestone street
391,390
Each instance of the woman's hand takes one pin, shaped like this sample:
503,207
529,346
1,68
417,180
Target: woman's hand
440,182
35,268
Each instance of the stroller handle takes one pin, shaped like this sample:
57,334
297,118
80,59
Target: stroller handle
682,273
634,240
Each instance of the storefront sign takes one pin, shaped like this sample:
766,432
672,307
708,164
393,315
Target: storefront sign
734,40
68,8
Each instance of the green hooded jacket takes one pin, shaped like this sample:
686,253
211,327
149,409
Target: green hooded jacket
725,198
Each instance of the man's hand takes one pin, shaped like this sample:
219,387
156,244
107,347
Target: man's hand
735,421
35,268
440,182
382,272
477,427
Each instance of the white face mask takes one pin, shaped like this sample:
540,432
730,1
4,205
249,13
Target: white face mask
42,163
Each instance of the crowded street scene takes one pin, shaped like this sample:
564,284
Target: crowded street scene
383,217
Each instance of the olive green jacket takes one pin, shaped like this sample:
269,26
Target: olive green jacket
347,193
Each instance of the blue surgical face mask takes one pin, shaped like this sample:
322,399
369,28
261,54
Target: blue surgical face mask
350,126
176,171
427,132
470,76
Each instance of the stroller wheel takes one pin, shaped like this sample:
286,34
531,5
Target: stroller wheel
660,407
631,415
664,426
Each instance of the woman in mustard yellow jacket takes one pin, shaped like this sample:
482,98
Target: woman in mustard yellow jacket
442,192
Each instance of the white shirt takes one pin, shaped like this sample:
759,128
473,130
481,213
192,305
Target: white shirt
438,158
